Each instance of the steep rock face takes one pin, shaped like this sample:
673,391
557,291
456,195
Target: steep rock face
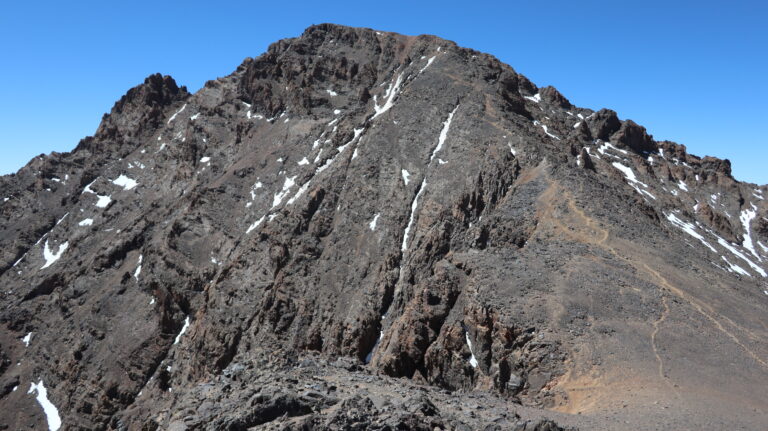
359,206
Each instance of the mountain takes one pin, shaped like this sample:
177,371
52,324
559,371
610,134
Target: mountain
365,230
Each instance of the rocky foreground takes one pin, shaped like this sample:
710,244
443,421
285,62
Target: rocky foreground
365,230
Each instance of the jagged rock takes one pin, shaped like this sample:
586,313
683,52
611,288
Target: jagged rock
551,95
633,136
603,124
585,161
717,165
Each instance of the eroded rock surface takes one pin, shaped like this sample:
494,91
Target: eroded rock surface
365,230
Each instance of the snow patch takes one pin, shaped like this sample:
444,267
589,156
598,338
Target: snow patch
173,117
299,192
303,162
27,338
735,268
289,182
740,255
51,412
372,224
628,173
103,201
763,246
472,359
414,205
688,228
88,188
536,123
332,93
390,95
50,257
746,218
443,133
138,268
607,145
536,97
125,182
406,175
429,63
255,225
205,160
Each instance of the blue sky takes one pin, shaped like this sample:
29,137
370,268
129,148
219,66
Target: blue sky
692,72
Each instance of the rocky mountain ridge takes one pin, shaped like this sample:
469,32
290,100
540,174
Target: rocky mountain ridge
360,206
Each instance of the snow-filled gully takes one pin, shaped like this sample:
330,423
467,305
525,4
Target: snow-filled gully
414,207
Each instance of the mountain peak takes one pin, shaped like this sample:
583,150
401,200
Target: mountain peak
360,229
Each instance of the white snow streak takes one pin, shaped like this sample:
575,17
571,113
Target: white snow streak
173,117
763,246
633,181
608,145
332,93
746,219
414,205
303,162
138,268
443,133
740,255
86,222
429,62
27,338
390,94
289,182
255,225
299,192
536,123
736,268
88,189
51,412
688,228
472,359
205,160
628,172
536,97
183,330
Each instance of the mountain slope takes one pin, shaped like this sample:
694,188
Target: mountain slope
355,207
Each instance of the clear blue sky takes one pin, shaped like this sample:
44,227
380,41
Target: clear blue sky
695,72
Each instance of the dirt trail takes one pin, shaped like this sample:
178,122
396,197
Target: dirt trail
559,211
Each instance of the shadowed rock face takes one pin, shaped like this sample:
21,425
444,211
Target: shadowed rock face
364,230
